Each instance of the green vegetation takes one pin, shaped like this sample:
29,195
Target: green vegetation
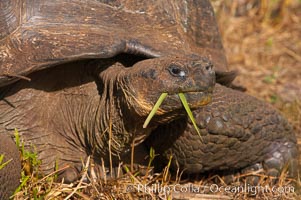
185,104
2,165
190,115
155,108
270,42
30,164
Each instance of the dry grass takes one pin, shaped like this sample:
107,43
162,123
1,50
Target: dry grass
264,44
262,41
158,186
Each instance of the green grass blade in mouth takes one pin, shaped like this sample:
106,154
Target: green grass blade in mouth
190,115
155,108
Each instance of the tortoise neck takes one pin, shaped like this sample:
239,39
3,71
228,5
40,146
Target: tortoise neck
116,126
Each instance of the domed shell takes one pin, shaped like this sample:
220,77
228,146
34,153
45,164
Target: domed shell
39,34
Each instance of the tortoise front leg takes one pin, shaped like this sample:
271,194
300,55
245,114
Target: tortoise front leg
238,131
284,158
287,154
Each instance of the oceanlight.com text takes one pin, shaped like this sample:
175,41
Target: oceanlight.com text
213,188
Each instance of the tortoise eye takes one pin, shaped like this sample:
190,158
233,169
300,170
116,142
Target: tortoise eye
176,71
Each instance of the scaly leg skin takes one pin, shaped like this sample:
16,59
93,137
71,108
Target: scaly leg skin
10,174
238,131
272,166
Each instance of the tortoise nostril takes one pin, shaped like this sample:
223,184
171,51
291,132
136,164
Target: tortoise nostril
208,67
176,71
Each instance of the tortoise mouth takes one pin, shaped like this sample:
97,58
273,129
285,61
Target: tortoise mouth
199,98
173,107
192,90
195,99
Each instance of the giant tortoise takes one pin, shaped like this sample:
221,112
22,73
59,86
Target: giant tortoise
78,78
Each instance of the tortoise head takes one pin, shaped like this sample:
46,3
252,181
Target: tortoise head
142,84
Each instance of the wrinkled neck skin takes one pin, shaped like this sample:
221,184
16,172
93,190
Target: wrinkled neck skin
116,124
71,112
